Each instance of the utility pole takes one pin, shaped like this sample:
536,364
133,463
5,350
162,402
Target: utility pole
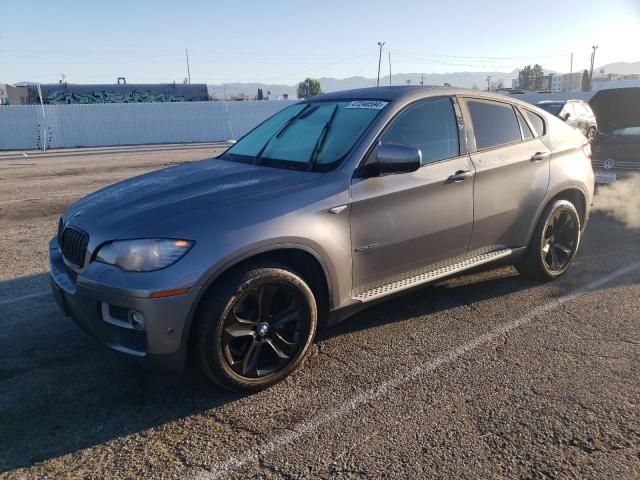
488,82
422,80
380,44
571,71
186,51
593,58
389,67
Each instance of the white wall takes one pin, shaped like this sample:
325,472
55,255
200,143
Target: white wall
63,126
538,97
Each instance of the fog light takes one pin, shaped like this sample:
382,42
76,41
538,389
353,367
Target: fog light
136,320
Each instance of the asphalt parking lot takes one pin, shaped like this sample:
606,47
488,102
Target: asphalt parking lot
483,376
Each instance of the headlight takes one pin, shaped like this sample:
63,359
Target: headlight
143,255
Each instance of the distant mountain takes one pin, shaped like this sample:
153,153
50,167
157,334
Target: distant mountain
456,79
623,68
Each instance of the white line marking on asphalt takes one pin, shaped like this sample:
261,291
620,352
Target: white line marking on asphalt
308,426
24,297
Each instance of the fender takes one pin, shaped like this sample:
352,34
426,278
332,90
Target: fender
555,191
221,268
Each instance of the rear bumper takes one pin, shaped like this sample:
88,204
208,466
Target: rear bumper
104,315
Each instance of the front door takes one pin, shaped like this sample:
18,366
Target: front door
411,221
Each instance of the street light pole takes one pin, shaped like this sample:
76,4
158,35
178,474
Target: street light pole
186,52
380,44
593,58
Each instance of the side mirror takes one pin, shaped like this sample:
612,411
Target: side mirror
398,159
566,116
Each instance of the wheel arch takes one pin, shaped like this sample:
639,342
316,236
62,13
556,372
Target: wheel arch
302,259
571,193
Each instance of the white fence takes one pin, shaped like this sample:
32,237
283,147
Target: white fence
538,97
63,126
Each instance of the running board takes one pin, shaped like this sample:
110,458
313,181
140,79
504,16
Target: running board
431,275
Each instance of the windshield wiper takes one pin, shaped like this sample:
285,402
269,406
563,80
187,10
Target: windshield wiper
279,133
320,142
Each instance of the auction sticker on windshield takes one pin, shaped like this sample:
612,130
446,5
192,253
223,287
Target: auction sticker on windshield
370,104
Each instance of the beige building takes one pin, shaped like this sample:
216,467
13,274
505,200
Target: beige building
571,81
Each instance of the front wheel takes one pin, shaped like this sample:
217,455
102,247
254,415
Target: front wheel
256,328
554,243
591,134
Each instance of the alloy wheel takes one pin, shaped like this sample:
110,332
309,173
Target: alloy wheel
559,240
265,330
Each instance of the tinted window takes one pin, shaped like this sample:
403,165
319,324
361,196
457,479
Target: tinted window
552,108
493,124
526,131
537,122
429,126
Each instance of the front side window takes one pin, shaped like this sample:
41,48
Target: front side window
494,123
430,126
312,136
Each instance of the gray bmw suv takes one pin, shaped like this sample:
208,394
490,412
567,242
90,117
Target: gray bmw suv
328,206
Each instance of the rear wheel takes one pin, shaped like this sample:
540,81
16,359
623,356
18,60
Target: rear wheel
256,329
554,243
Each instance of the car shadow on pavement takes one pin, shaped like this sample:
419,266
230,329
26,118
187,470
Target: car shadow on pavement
60,391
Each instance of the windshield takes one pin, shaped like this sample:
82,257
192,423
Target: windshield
553,108
312,136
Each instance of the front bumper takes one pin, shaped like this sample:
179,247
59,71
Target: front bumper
103,313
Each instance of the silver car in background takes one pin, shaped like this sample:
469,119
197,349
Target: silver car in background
328,206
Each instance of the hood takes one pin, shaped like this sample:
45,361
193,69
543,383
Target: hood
173,191
616,108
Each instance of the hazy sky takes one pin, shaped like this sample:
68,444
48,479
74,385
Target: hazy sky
282,42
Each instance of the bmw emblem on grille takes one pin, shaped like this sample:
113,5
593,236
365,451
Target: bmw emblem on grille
608,164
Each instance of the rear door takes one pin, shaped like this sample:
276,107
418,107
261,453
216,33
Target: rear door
404,222
512,172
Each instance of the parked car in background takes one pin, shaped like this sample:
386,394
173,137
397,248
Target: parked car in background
333,203
575,113
616,148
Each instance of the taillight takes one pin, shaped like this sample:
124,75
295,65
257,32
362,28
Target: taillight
586,149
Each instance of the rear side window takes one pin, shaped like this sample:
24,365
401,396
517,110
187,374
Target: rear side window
526,131
430,126
493,124
537,122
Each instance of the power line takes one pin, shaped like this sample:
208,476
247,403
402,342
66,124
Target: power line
479,57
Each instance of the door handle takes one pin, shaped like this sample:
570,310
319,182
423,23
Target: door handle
536,157
460,176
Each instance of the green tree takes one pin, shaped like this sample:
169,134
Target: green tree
531,78
537,77
524,77
310,87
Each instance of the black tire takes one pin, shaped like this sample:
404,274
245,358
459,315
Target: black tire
240,340
591,134
554,243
